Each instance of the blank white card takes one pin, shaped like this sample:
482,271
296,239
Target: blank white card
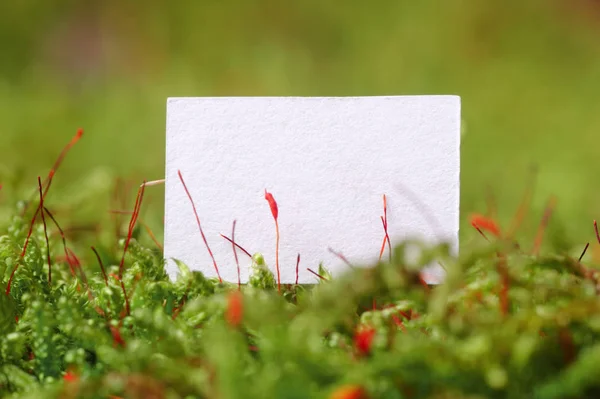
327,162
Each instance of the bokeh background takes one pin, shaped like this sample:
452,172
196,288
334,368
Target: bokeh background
528,72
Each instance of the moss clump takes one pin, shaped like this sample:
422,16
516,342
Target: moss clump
375,332
504,324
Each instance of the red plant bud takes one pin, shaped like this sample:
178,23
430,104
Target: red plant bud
363,340
70,376
275,212
481,222
235,308
349,392
272,204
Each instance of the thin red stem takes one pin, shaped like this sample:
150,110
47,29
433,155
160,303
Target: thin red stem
33,219
584,250
505,285
41,206
341,257
386,238
382,248
74,258
385,226
398,322
61,157
62,236
151,234
199,225
119,212
596,230
136,210
481,232
74,261
134,284
12,275
115,200
491,204
523,207
146,227
132,222
101,266
297,268
316,274
421,206
237,261
238,246
57,164
543,225
277,255
78,265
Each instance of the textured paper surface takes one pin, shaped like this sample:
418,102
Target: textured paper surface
327,162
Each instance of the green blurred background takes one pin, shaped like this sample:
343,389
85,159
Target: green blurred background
528,72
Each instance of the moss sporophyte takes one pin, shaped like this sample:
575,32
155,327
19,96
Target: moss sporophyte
108,322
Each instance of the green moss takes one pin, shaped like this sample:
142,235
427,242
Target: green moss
451,340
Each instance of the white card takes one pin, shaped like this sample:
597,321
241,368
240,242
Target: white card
327,162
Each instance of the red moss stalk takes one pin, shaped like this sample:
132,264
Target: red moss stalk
341,256
238,246
482,223
199,225
398,322
237,261
116,335
33,219
76,263
151,234
275,213
585,249
144,224
132,222
63,238
101,266
48,183
297,268
523,207
505,285
386,238
316,274
57,163
543,225
61,157
45,231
